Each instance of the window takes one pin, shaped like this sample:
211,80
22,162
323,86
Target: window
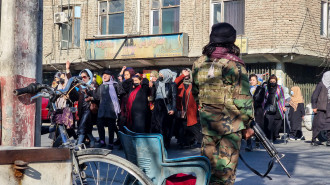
165,16
111,17
232,12
325,18
71,30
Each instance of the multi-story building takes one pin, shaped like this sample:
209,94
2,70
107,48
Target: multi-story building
285,37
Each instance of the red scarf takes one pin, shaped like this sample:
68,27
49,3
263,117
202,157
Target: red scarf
221,52
129,105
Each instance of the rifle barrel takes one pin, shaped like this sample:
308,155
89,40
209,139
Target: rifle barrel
283,167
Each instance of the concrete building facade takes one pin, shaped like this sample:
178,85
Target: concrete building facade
284,37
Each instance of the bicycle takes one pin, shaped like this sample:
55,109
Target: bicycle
89,166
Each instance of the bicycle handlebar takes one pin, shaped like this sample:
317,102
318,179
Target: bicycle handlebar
34,88
30,89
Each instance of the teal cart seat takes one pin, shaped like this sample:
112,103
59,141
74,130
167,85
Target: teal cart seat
147,151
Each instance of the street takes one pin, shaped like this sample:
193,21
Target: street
308,165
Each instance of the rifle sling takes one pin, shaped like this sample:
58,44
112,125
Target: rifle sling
270,166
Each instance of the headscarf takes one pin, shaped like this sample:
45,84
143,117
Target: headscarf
296,98
169,76
90,74
188,81
113,94
326,81
131,71
58,75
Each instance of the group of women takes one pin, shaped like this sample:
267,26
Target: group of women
272,107
164,104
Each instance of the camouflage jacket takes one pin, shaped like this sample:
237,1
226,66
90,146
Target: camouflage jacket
226,105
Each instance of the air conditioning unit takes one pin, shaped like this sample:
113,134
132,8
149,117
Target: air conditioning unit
60,18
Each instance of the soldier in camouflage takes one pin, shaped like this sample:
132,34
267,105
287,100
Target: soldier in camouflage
221,89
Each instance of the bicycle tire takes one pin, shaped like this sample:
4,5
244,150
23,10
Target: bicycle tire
124,164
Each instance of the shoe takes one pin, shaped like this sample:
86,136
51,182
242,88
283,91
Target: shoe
292,138
110,147
303,138
328,143
314,143
101,144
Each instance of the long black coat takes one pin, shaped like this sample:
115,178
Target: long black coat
321,120
140,111
258,98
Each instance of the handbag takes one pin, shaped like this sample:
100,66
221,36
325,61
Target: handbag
271,108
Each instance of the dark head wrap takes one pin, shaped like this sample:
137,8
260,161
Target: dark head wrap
223,33
131,71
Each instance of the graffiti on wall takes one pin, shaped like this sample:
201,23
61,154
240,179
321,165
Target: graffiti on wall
157,46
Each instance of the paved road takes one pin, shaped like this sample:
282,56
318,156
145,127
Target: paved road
308,165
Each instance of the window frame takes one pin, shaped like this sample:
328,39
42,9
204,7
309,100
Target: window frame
71,22
108,13
222,3
160,16
326,33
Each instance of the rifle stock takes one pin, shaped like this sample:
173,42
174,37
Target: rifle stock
270,148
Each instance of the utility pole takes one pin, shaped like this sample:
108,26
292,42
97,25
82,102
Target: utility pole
20,65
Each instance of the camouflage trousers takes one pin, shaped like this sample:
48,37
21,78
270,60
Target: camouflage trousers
223,153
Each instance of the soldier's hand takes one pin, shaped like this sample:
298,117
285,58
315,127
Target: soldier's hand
171,112
247,133
315,111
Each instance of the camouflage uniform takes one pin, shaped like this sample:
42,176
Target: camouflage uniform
226,109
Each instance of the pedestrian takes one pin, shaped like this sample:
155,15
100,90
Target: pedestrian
164,91
137,105
296,114
126,86
321,108
274,108
62,107
258,94
221,88
186,115
85,125
109,108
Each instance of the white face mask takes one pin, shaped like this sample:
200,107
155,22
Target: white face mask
291,93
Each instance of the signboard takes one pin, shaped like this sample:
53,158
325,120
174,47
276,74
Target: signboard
155,46
241,42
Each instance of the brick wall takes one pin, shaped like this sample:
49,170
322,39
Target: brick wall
271,26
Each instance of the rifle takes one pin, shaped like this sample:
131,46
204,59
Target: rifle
270,148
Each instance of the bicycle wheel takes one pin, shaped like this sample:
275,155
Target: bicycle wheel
110,169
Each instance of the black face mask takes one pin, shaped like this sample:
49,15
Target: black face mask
272,84
160,78
136,84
